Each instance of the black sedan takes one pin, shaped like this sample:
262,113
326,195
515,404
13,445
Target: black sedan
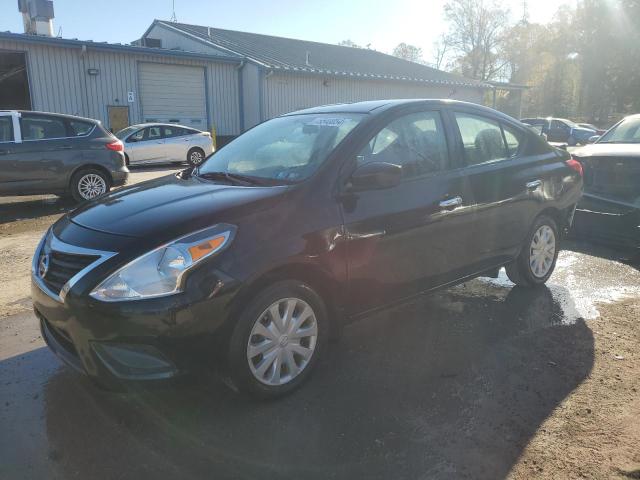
304,222
610,208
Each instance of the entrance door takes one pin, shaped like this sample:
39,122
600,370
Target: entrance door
118,117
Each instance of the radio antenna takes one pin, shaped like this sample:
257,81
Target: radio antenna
174,19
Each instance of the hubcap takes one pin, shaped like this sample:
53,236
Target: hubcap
196,157
282,341
543,250
91,185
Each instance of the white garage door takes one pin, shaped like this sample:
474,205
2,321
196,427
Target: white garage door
173,93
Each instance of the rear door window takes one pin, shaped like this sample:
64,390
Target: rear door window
42,127
6,128
481,138
170,132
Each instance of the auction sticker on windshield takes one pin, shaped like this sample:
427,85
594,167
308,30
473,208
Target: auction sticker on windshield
327,122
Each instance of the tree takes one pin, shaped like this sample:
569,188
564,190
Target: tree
476,30
441,48
348,43
408,52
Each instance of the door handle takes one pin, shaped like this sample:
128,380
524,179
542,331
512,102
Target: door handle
532,185
451,203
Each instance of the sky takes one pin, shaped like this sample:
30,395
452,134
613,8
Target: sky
382,25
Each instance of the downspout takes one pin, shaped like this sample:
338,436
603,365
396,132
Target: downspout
240,68
261,91
83,79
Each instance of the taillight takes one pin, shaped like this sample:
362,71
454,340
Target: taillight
116,146
574,164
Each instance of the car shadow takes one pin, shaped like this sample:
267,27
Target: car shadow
628,256
452,386
28,208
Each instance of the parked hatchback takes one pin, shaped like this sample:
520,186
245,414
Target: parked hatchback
59,154
298,226
162,143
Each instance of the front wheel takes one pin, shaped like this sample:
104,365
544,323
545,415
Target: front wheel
538,256
278,339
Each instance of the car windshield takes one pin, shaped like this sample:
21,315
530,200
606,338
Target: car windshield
122,134
286,149
627,131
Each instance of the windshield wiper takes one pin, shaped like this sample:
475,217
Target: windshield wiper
229,177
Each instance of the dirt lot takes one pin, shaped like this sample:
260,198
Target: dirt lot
484,380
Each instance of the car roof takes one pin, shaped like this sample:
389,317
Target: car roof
379,106
59,115
158,124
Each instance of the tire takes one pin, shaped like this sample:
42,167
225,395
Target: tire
82,181
126,160
528,271
273,375
195,156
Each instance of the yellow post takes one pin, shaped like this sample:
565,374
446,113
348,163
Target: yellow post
213,138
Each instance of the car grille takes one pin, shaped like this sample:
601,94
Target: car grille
63,266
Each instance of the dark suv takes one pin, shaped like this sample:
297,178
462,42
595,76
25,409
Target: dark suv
560,130
299,225
60,154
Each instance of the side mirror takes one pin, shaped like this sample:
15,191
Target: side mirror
376,176
593,139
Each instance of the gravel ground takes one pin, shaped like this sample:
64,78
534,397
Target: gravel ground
483,380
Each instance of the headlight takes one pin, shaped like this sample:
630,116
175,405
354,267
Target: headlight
159,272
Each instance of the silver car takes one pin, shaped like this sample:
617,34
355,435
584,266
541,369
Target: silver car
165,142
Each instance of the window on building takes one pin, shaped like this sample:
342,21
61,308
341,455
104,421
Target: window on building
415,141
42,127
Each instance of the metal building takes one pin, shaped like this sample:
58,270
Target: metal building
208,78
279,75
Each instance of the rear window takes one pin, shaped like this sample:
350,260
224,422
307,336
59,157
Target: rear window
40,127
79,128
6,129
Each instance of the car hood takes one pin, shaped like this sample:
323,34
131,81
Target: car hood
583,131
608,150
170,206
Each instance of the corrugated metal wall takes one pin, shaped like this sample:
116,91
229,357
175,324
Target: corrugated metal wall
288,92
59,82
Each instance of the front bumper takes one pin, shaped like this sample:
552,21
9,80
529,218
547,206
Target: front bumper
138,340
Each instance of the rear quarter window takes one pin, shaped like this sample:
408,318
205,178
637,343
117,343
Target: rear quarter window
79,128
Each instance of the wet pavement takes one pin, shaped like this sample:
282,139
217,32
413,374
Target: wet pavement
454,384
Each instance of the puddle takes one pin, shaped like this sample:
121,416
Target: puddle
580,282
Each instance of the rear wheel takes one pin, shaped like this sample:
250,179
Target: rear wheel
278,339
88,184
195,156
538,256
